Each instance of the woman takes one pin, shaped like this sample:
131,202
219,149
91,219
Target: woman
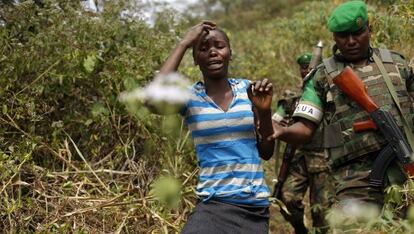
221,116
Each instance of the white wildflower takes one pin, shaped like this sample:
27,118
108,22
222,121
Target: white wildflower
352,213
170,91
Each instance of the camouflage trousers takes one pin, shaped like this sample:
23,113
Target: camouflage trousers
309,169
355,201
332,187
351,181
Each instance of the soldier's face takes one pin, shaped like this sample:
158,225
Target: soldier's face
304,70
353,46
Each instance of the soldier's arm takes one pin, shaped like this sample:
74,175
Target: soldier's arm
308,114
297,134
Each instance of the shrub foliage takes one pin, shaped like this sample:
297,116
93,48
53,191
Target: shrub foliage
75,159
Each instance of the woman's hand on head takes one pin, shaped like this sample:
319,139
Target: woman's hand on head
260,94
190,38
192,35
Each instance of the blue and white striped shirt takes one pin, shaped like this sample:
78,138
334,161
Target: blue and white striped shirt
225,142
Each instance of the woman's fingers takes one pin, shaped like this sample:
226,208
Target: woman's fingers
257,85
207,22
252,88
264,84
269,87
261,86
207,25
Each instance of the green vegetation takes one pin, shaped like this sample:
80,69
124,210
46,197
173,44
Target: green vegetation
75,159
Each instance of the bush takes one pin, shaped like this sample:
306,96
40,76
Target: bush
75,159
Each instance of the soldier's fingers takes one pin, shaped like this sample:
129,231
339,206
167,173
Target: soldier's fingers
272,137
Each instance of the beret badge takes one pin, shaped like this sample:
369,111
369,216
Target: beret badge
359,22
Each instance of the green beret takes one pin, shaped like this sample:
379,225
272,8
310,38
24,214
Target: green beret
348,17
304,58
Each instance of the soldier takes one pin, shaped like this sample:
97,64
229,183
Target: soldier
308,169
352,155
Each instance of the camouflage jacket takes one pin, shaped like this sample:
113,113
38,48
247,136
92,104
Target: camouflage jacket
322,100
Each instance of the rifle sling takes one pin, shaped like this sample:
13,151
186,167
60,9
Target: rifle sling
394,96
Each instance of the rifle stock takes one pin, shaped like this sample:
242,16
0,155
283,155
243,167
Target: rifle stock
350,84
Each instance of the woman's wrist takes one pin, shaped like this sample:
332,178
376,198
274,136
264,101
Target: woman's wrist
184,44
264,112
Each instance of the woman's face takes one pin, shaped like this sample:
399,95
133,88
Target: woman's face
213,55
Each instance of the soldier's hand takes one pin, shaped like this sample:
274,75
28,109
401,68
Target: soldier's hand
284,122
278,130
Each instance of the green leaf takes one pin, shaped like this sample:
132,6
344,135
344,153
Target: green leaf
99,109
89,63
68,184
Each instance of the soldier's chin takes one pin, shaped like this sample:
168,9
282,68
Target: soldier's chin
353,56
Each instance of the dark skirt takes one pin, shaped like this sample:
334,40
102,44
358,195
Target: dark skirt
214,217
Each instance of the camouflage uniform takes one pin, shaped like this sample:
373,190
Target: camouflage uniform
308,169
351,154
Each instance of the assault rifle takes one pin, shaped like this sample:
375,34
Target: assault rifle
284,168
288,153
397,147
